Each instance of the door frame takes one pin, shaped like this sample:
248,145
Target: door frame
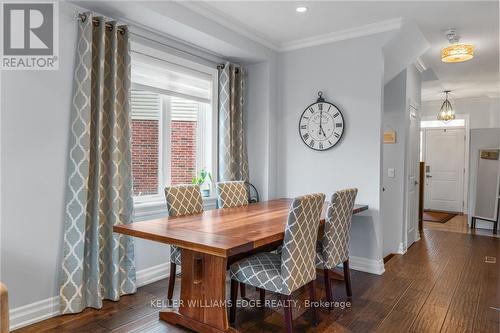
423,129
412,108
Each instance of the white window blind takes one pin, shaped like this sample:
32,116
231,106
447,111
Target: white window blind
145,105
162,77
183,109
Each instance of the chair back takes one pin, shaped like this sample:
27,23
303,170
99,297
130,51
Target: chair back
183,200
299,244
337,226
232,194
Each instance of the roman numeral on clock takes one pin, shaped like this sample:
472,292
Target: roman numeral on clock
337,135
338,125
311,109
321,145
320,107
311,143
303,126
336,115
306,136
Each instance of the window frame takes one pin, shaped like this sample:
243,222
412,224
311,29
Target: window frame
154,205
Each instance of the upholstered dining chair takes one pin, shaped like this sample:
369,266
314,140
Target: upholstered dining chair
231,194
333,249
181,200
295,267
4,309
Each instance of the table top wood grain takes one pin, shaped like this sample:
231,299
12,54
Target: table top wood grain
221,232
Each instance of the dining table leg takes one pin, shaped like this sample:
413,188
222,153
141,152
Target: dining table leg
202,303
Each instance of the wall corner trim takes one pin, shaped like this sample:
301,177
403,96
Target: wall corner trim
401,249
35,312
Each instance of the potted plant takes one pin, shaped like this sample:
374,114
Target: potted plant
204,179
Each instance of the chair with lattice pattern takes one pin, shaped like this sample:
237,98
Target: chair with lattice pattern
181,200
294,267
333,248
232,194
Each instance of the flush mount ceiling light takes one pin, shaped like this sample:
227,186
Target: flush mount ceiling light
301,9
446,113
456,52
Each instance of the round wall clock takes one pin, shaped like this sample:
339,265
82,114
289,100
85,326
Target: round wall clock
321,125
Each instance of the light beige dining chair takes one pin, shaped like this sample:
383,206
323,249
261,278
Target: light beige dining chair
181,200
293,268
333,249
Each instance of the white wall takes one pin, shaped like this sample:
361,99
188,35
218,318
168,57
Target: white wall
483,112
35,113
399,93
394,118
479,138
35,122
353,82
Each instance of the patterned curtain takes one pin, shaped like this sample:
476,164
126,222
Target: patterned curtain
98,264
233,160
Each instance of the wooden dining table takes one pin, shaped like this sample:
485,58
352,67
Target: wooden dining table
210,242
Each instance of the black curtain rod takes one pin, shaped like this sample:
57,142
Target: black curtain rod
222,66
83,17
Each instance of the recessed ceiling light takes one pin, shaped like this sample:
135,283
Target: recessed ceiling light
301,9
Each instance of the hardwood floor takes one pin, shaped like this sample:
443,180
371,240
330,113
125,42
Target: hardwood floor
441,284
459,224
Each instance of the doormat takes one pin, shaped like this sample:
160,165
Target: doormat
438,217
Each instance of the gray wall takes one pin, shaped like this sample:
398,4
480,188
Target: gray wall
480,138
401,92
35,121
35,129
394,118
353,82
483,112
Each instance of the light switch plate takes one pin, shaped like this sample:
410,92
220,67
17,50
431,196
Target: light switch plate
391,172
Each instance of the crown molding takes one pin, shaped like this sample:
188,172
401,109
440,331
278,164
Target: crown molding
226,21
364,30
210,13
421,67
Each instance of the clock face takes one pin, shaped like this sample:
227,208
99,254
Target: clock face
321,126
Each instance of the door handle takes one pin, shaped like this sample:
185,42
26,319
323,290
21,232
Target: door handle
416,183
428,176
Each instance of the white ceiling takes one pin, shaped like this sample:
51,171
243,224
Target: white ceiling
276,24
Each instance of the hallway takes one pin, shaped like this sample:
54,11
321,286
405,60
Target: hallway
458,224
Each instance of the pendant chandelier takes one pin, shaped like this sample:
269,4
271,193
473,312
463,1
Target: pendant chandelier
456,52
446,113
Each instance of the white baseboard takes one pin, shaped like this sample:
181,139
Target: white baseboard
152,274
29,314
367,265
34,312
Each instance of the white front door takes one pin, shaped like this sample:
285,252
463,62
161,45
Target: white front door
444,166
412,179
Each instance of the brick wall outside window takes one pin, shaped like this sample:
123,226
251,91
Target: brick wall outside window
145,156
183,151
145,147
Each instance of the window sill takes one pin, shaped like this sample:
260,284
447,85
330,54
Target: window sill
157,208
